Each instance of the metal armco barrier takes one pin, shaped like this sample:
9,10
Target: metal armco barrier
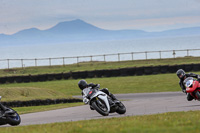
132,71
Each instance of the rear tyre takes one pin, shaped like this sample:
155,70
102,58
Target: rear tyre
100,108
121,108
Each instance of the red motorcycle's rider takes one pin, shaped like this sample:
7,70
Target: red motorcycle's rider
182,76
83,85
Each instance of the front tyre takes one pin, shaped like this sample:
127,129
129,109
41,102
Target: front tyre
121,108
100,107
13,118
198,94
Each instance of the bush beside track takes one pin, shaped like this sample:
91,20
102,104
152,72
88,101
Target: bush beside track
131,71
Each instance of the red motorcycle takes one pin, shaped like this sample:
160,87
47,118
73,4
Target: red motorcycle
192,87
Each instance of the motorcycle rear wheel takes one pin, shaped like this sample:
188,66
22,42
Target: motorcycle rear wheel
99,109
121,108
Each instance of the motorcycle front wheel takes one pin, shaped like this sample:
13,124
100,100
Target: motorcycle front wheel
100,107
13,118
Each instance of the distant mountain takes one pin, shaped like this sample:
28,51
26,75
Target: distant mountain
78,30
74,27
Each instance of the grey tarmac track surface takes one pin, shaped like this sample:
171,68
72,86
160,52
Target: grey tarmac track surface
136,104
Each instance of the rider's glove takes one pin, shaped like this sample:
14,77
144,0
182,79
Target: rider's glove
85,100
98,86
184,91
198,78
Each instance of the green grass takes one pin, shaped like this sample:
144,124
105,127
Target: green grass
97,66
182,122
68,88
25,110
28,93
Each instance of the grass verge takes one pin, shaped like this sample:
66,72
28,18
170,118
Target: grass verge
25,110
182,122
68,88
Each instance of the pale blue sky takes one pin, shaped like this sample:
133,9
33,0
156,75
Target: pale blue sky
148,15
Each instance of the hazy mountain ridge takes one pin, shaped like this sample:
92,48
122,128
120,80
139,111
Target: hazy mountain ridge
78,30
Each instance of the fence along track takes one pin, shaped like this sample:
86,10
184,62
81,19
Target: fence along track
17,63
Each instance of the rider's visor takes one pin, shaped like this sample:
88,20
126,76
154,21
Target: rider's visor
181,75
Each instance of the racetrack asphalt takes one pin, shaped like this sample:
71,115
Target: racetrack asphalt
136,104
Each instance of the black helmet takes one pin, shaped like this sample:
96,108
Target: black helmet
180,73
82,84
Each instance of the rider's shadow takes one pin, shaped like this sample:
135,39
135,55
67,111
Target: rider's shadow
109,116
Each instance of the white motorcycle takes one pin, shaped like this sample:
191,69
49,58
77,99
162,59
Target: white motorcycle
102,103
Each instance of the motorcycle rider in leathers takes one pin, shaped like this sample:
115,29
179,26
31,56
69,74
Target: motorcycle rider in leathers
182,76
83,85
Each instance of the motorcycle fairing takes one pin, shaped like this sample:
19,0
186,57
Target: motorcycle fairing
194,86
103,96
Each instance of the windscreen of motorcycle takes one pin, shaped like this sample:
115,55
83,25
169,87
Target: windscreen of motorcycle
89,92
188,82
86,90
